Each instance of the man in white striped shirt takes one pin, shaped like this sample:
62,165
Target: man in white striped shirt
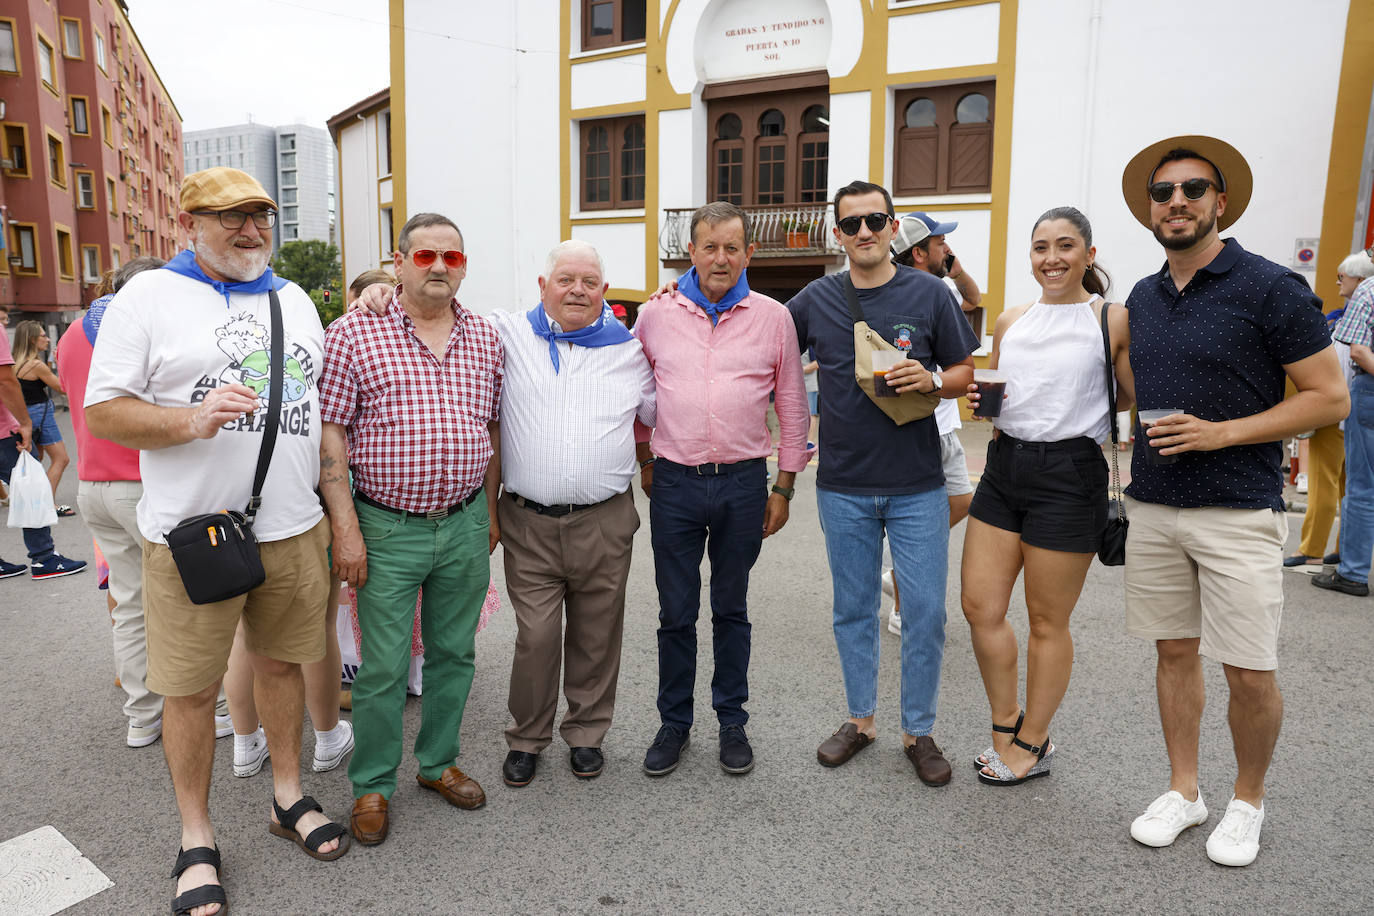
575,382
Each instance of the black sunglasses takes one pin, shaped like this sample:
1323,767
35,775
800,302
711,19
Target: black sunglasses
876,222
1193,189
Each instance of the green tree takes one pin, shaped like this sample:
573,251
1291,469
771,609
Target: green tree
313,265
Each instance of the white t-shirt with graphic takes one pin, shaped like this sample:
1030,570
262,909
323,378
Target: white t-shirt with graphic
168,340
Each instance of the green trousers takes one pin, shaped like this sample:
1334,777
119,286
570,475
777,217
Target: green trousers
448,559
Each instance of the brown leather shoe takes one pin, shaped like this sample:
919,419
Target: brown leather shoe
931,765
845,743
458,788
369,823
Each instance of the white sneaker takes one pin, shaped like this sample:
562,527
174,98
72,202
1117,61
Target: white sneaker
888,588
144,735
327,757
250,752
224,726
1167,817
1236,839
894,622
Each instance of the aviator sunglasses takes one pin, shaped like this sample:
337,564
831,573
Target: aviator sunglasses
425,257
875,222
1193,189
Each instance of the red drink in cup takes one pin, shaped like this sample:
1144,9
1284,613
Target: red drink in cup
992,387
882,362
1147,419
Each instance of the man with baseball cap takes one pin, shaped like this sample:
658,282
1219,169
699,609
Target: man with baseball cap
921,238
1215,334
180,371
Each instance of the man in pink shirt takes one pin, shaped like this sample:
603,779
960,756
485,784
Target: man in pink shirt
718,351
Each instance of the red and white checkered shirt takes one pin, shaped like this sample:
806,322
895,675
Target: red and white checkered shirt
417,425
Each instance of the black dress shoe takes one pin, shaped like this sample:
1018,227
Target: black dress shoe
1336,582
586,762
518,769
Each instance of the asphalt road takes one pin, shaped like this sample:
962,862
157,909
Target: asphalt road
792,837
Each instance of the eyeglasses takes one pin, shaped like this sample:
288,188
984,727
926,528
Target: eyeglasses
876,222
425,257
234,219
1193,189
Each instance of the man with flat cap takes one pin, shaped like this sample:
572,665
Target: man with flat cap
1215,334
180,372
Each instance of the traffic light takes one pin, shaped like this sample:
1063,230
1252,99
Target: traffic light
326,297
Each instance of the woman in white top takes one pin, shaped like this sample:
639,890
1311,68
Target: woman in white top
1041,504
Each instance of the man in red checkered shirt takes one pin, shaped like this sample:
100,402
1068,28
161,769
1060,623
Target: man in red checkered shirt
409,402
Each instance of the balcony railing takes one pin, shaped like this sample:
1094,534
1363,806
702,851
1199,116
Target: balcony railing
779,230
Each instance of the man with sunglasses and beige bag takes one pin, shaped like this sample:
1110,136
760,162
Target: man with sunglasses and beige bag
881,471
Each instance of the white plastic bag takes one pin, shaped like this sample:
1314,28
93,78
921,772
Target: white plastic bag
31,502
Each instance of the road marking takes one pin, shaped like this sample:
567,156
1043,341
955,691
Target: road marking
41,873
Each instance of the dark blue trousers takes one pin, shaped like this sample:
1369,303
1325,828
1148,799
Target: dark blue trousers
722,515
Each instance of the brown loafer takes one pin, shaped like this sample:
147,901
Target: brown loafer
931,765
369,823
458,788
839,747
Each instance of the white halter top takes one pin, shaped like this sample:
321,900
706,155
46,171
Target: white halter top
1053,359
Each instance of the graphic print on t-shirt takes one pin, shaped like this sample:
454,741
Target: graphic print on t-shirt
247,344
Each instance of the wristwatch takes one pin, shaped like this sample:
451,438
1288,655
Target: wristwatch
936,383
785,492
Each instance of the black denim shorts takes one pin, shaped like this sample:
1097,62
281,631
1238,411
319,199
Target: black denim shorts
1053,493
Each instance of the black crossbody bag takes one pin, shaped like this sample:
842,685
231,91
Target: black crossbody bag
1112,552
217,553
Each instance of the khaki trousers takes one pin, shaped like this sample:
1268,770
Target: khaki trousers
576,564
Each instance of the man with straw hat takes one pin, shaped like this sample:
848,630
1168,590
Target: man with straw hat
1215,334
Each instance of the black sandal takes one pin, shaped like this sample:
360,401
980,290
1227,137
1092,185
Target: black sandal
285,825
204,895
983,759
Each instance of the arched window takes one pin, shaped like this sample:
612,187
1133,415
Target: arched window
728,159
813,159
613,158
771,156
944,139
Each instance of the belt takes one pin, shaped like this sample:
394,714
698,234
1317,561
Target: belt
557,511
431,514
1077,444
714,470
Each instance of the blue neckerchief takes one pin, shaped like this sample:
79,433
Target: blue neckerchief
185,264
94,315
605,331
691,288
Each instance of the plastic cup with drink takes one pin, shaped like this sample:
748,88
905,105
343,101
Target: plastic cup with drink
992,386
1149,418
883,361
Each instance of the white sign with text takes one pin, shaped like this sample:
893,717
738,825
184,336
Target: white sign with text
745,39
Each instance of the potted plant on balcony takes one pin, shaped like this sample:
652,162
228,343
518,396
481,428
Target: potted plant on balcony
798,232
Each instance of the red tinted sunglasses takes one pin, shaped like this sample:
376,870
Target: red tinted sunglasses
425,257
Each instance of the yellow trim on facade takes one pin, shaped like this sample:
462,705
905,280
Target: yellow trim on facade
398,110
58,231
995,289
636,48
607,111
76,192
15,40
944,74
934,203
936,7
609,220
634,295
98,271
47,42
80,39
1347,154
37,269
565,119
60,180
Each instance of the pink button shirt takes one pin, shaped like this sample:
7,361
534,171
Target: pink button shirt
8,426
713,381
96,459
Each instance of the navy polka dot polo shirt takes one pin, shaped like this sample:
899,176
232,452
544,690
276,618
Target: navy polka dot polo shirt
1217,351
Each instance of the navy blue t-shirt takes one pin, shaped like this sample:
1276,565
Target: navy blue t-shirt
864,452
1217,351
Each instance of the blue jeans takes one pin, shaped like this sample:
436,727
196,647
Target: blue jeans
1357,508
917,527
722,515
38,541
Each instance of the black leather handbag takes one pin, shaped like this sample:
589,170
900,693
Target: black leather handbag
1112,551
217,553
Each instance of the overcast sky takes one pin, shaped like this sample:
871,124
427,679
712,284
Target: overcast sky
269,61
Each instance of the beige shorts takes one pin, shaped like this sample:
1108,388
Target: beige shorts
1211,573
188,644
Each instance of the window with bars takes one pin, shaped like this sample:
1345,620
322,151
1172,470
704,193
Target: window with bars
613,163
944,139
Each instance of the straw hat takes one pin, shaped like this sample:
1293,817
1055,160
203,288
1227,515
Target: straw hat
1235,175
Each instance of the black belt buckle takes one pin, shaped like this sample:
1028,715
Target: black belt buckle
708,470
